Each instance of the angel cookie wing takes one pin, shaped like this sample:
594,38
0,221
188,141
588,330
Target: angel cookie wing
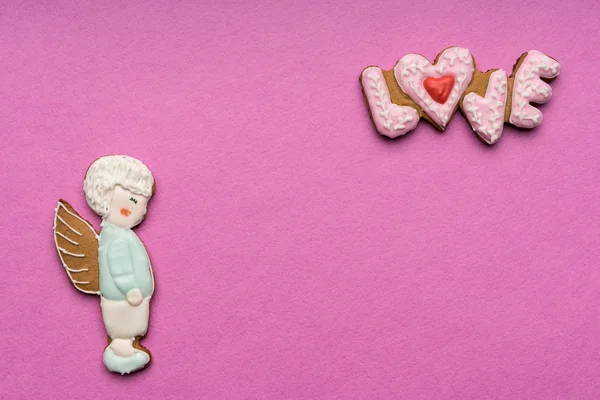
77,246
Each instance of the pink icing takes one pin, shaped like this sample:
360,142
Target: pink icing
486,114
412,69
528,87
390,119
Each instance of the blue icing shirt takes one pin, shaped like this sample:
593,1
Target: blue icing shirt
124,263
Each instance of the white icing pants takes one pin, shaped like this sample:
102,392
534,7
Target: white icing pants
124,321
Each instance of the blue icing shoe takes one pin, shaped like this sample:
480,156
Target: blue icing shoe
125,365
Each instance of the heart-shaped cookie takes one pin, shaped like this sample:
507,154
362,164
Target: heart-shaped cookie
439,88
486,114
454,66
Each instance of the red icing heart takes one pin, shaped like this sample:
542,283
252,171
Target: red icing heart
439,88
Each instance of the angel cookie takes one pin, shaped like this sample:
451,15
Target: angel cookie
114,264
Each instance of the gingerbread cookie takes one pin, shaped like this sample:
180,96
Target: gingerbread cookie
417,88
113,264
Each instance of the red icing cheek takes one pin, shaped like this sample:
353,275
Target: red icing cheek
439,88
125,212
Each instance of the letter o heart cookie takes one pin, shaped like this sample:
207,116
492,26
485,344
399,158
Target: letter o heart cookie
437,88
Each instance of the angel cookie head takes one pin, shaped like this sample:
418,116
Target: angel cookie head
113,264
118,189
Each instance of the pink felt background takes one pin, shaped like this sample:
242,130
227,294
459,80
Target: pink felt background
298,254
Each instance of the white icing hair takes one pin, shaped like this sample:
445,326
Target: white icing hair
109,171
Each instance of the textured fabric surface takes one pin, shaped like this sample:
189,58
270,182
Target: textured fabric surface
297,254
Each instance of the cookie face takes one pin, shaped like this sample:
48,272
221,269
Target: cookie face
417,88
113,264
127,209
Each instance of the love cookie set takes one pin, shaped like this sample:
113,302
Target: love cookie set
114,264
415,89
